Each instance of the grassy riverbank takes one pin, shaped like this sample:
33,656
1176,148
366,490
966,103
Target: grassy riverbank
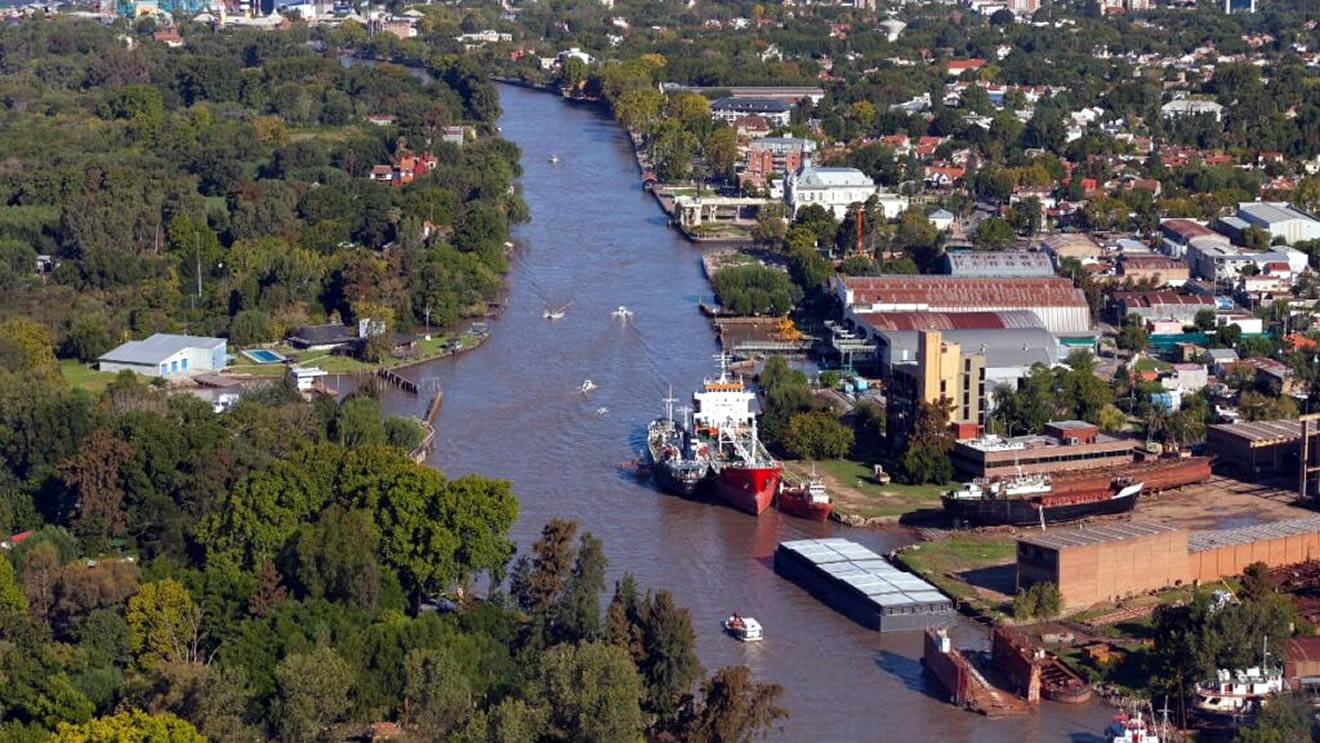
978,568
855,493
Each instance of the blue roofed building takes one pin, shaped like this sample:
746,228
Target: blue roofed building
166,355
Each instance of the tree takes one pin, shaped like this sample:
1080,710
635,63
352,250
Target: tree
1040,601
1256,585
668,662
165,625
11,596
1205,320
993,234
134,726
577,613
25,346
817,435
250,327
1132,335
548,571
359,423
925,458
591,692
335,558
93,479
437,692
314,690
721,150
732,709
1285,719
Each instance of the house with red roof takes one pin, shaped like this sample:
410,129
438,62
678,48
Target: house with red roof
957,67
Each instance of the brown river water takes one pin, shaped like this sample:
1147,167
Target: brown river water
512,409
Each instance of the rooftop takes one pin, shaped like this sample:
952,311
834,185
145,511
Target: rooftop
868,573
1015,263
1004,348
902,321
1187,229
1083,536
992,443
1271,212
964,291
830,177
1208,540
1155,299
1260,433
751,105
158,348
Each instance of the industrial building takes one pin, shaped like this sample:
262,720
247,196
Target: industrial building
1060,306
1256,447
1065,446
1108,562
1105,562
1071,245
988,263
1157,269
164,355
1009,353
1177,235
941,370
1279,218
1160,305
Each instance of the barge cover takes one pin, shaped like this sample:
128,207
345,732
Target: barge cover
861,584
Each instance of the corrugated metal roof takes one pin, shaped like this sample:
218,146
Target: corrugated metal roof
1262,432
1014,263
1271,212
1156,299
965,291
1303,649
1003,348
882,321
1208,540
1097,534
158,348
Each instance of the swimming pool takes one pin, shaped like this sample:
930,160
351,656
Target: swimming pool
265,356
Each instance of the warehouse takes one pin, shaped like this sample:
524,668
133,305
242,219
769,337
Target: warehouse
1256,447
1104,563
985,263
1060,306
164,355
1215,554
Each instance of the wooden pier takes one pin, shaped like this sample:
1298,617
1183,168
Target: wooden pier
407,385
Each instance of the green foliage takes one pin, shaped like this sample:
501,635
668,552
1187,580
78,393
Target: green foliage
817,435
1286,718
314,694
590,692
403,432
135,726
733,708
786,392
1040,601
755,290
1132,335
11,596
164,624
925,455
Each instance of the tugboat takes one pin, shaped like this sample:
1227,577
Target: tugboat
1026,500
806,500
677,460
744,475
743,628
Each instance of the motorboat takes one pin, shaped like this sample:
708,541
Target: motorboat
587,385
553,159
622,312
553,314
602,410
745,629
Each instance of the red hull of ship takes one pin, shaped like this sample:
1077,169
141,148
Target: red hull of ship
799,505
747,489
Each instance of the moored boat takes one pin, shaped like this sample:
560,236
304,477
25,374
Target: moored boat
1237,695
807,500
1130,729
677,460
1026,500
743,474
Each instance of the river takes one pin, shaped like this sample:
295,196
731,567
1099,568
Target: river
513,409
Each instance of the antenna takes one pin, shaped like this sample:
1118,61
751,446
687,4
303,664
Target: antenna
669,403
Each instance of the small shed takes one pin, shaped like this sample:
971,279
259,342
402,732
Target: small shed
305,377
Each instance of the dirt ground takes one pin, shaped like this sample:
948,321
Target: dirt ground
1221,503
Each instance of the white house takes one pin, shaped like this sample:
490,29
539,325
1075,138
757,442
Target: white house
1280,219
833,188
941,218
164,355
1181,107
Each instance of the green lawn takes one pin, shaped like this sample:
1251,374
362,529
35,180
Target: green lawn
863,497
939,562
83,376
1149,364
336,364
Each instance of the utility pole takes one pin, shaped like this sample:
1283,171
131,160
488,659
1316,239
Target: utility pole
197,250
428,319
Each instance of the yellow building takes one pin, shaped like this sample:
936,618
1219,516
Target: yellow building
941,370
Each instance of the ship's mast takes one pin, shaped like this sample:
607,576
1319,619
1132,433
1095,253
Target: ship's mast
669,404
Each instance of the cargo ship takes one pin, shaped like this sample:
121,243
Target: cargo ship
1027,500
742,472
807,500
675,459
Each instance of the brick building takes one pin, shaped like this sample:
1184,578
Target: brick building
1105,562
1065,446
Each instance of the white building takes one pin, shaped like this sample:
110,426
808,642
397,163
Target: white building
164,355
1280,219
835,189
1181,107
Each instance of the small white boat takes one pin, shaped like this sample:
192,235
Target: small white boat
745,629
622,312
553,314
587,385
553,159
602,410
